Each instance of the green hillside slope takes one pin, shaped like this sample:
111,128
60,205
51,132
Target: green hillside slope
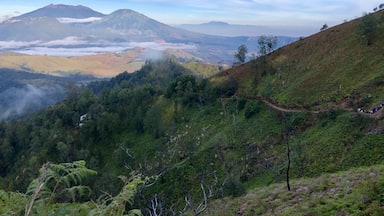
203,142
352,192
323,70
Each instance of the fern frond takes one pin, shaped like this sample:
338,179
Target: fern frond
48,174
73,172
135,212
129,191
12,203
54,175
109,205
38,186
80,190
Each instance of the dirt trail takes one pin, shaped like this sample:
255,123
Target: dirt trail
290,110
376,115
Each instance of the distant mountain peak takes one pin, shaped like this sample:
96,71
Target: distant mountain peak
63,6
128,20
127,12
216,23
58,6
62,10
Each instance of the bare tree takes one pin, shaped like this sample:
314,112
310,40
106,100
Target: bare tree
155,208
201,207
289,162
291,124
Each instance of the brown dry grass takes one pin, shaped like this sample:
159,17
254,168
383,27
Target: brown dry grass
101,65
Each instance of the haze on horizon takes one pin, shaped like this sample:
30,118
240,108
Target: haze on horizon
305,17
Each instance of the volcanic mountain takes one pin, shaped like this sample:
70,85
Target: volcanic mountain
29,29
74,28
61,10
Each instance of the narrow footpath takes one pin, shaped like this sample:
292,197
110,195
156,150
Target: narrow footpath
373,113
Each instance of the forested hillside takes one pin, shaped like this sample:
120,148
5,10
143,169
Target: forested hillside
189,145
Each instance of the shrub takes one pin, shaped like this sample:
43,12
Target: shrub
251,108
368,28
233,187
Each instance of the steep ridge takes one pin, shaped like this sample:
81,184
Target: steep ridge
332,67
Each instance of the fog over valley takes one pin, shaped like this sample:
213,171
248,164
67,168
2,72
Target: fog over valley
76,46
19,101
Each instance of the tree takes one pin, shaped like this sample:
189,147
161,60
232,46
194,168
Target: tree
325,26
240,55
152,121
368,28
266,44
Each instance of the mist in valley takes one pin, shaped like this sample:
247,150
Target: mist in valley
16,102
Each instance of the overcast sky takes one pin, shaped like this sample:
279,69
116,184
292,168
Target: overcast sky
249,12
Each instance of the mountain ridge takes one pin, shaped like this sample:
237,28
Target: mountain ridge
325,65
38,28
61,10
107,32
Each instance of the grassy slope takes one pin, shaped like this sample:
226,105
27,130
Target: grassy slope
327,71
353,192
322,70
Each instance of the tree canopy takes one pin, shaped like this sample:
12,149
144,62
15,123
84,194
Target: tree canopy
266,44
241,54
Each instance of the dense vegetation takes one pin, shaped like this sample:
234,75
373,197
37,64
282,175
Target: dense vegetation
189,143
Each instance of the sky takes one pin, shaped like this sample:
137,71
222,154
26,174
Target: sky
285,13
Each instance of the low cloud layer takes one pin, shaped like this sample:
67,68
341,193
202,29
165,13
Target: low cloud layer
74,20
10,45
75,46
68,41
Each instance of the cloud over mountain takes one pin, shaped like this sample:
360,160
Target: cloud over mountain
66,30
